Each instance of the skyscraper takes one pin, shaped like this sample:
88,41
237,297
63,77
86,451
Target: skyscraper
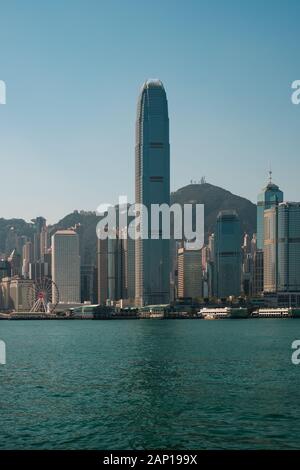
152,186
228,239
40,226
270,249
270,196
282,251
66,266
289,247
102,254
190,273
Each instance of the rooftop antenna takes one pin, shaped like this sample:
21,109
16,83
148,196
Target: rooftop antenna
270,174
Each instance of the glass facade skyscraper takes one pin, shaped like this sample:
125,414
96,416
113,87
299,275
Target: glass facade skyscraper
152,186
289,247
282,248
228,241
270,196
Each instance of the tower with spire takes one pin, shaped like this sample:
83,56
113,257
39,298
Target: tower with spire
270,196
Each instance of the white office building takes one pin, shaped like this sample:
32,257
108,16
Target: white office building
66,266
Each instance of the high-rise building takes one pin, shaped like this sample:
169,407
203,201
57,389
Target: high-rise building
39,226
88,282
27,259
128,250
228,240
115,269
152,186
270,249
289,247
14,294
282,248
102,267
4,269
270,196
190,273
66,266
39,270
257,268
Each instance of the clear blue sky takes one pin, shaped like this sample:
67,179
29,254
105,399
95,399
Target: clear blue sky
73,71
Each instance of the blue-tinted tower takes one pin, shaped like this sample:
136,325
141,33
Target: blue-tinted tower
152,186
228,241
270,196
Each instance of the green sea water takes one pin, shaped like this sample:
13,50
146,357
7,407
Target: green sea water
146,384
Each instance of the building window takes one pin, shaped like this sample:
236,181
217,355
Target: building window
156,179
156,145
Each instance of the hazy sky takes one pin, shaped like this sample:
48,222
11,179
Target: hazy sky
73,71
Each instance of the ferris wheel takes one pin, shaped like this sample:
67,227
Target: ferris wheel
43,296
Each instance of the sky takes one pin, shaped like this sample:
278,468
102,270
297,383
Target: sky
73,71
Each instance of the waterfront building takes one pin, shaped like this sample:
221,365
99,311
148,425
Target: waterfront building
190,273
288,247
228,239
19,294
152,186
102,246
257,286
5,301
88,283
116,268
269,197
282,254
128,249
66,266
270,249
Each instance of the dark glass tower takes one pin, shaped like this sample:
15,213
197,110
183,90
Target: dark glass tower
152,186
228,242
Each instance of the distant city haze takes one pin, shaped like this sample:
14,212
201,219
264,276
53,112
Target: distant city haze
73,72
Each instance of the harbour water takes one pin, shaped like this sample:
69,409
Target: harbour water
150,384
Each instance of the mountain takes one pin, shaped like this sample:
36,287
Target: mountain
213,197
216,199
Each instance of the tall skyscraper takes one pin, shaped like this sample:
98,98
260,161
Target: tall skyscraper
40,226
190,273
289,247
152,186
282,250
270,196
228,240
270,249
88,283
27,259
66,266
257,268
102,255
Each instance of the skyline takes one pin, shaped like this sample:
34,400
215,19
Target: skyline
228,79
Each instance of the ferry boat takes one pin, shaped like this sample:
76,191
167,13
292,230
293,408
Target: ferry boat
224,312
283,312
